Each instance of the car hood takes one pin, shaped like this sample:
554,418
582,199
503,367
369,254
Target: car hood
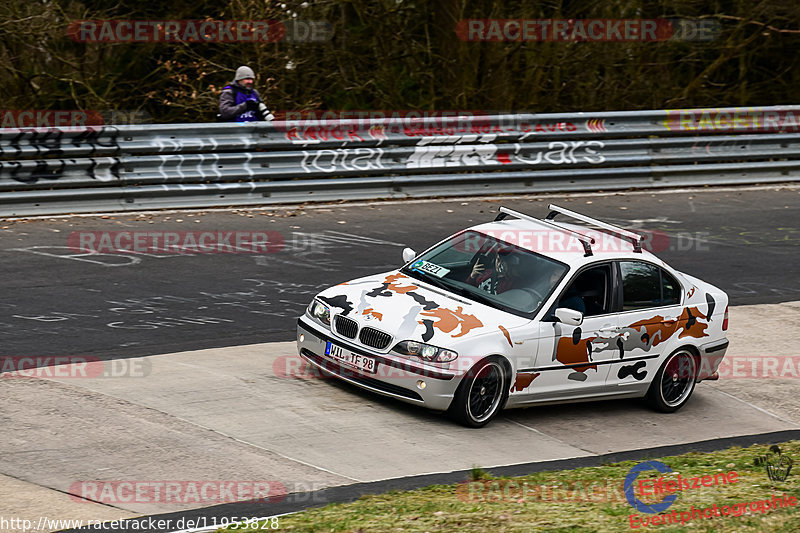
410,310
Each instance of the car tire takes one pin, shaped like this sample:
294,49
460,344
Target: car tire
674,382
482,393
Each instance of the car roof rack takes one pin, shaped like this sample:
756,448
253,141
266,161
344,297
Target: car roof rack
634,237
585,240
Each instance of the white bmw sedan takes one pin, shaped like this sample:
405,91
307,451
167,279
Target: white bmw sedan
518,312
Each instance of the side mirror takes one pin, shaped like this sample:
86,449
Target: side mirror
408,255
569,316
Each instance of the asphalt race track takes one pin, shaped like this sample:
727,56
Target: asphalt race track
210,332
58,301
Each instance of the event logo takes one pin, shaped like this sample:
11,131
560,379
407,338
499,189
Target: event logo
777,466
630,495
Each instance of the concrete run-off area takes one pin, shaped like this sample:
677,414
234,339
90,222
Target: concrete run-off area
251,413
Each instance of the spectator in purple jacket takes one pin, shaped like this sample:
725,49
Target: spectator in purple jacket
239,101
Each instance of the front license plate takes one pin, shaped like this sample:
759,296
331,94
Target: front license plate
355,360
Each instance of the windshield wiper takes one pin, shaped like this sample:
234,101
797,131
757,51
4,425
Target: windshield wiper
475,295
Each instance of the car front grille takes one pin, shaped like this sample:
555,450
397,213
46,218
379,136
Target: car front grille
346,326
375,338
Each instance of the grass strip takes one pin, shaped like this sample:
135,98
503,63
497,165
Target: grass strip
584,499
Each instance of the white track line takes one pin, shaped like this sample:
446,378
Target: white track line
757,408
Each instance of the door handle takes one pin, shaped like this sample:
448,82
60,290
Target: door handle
607,331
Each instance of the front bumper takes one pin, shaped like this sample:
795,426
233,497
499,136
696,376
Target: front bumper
711,355
394,376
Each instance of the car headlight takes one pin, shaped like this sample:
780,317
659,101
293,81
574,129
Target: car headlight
426,352
320,311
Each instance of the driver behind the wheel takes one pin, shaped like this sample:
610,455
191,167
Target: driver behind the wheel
572,300
502,277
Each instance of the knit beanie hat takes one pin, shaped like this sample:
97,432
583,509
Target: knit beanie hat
244,72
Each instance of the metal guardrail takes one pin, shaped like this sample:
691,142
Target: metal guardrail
110,168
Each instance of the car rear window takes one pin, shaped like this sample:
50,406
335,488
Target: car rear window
645,285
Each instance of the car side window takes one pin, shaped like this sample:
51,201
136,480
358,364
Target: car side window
670,289
645,285
589,292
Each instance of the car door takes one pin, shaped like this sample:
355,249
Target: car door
573,361
649,318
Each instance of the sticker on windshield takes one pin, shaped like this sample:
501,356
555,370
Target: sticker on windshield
430,268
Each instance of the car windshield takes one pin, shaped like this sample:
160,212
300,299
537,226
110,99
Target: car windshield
490,271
